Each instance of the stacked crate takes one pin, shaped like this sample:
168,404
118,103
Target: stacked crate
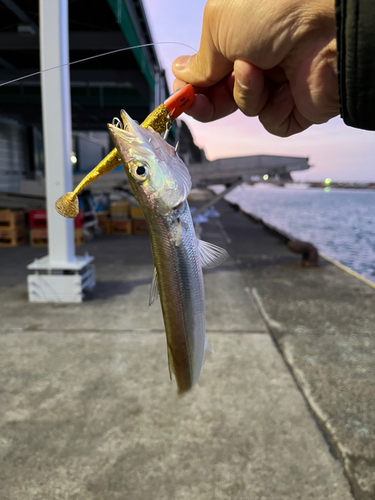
120,221
139,225
38,228
12,228
79,223
39,232
104,221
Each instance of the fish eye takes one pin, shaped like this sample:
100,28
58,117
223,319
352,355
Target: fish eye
141,171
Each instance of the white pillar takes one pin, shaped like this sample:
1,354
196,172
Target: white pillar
59,276
57,124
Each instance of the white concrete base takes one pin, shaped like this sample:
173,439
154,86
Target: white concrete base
60,282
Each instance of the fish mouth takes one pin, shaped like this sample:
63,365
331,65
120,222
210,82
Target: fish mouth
125,119
126,135
126,129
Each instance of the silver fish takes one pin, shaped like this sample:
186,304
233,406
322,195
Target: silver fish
161,183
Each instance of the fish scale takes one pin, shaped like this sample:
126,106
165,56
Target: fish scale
181,292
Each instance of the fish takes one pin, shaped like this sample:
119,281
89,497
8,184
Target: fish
161,183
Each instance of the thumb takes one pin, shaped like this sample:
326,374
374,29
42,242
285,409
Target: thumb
208,66
204,69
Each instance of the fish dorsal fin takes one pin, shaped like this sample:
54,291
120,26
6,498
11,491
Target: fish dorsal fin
154,288
210,254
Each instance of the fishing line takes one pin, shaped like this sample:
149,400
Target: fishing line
94,57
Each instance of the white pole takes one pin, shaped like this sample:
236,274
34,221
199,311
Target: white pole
57,124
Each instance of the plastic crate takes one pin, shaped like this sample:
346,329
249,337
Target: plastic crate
38,219
121,226
120,208
139,226
12,219
39,237
12,237
79,221
136,213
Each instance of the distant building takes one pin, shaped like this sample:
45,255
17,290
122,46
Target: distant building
228,170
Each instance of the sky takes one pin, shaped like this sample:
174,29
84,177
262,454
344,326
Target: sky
334,149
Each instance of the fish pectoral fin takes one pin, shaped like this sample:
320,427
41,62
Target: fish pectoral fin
153,289
177,233
170,362
208,351
210,254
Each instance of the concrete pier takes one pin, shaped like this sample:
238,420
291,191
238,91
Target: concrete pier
283,409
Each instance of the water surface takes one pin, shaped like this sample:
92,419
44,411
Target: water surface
340,223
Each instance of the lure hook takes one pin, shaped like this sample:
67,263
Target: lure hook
168,127
116,122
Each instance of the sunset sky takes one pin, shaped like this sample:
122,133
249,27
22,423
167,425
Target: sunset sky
334,150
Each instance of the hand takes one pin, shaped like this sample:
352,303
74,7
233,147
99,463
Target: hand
275,59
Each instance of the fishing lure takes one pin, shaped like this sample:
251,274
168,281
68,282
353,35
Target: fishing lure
159,120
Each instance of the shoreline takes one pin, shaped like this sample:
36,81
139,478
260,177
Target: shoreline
289,237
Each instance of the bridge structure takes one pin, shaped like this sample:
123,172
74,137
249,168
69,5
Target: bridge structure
238,170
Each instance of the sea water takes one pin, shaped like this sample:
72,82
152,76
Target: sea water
339,222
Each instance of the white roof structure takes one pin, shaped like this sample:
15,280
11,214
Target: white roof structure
228,170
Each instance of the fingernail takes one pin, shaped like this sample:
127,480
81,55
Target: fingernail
181,62
242,73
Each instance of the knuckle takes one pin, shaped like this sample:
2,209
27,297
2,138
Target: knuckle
212,7
280,130
248,105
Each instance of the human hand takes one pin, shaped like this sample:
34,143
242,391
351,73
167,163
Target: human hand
275,59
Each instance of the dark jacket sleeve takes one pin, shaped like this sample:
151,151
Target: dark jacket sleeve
355,24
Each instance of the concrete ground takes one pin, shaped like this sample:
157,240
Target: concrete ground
323,320
87,408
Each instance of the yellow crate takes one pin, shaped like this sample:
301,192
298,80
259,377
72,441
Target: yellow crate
39,237
139,226
103,215
10,219
121,226
79,238
12,237
120,208
136,213
105,225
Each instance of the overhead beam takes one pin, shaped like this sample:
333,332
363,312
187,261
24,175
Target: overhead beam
127,79
5,64
114,78
123,18
21,14
78,40
17,41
